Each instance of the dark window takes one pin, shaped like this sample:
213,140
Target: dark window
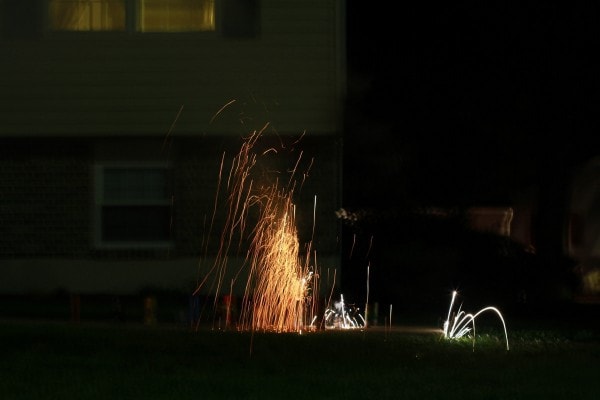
135,223
133,205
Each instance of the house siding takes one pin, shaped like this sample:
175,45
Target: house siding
69,101
90,83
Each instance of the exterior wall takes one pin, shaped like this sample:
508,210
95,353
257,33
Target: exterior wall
114,84
70,100
47,225
45,198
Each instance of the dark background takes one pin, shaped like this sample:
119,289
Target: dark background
467,101
463,105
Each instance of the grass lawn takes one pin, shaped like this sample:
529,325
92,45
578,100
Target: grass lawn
91,360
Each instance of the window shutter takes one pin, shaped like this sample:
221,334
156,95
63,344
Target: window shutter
240,18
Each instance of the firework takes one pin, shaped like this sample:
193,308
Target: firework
343,316
280,291
461,324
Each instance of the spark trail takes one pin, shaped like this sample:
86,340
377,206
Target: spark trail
280,290
461,323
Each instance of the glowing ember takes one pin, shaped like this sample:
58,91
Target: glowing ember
462,323
343,316
280,290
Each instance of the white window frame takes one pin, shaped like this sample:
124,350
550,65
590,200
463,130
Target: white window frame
100,202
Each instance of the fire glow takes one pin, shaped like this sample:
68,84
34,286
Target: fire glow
281,288
461,323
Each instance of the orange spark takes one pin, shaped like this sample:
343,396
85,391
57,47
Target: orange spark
280,290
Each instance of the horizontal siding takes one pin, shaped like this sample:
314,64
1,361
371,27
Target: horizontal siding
92,84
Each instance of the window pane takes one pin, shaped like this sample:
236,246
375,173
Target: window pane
131,185
135,223
134,204
87,15
176,15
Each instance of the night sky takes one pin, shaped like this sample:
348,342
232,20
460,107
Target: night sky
463,104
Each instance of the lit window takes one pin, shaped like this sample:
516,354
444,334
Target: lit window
132,205
118,15
87,15
176,15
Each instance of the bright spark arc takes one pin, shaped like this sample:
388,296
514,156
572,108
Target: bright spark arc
460,322
343,317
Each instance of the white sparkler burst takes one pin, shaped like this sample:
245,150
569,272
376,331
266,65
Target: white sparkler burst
462,323
342,316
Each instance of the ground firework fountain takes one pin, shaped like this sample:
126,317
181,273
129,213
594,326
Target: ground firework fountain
282,286
343,316
460,324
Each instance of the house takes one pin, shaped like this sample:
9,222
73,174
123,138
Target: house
115,116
